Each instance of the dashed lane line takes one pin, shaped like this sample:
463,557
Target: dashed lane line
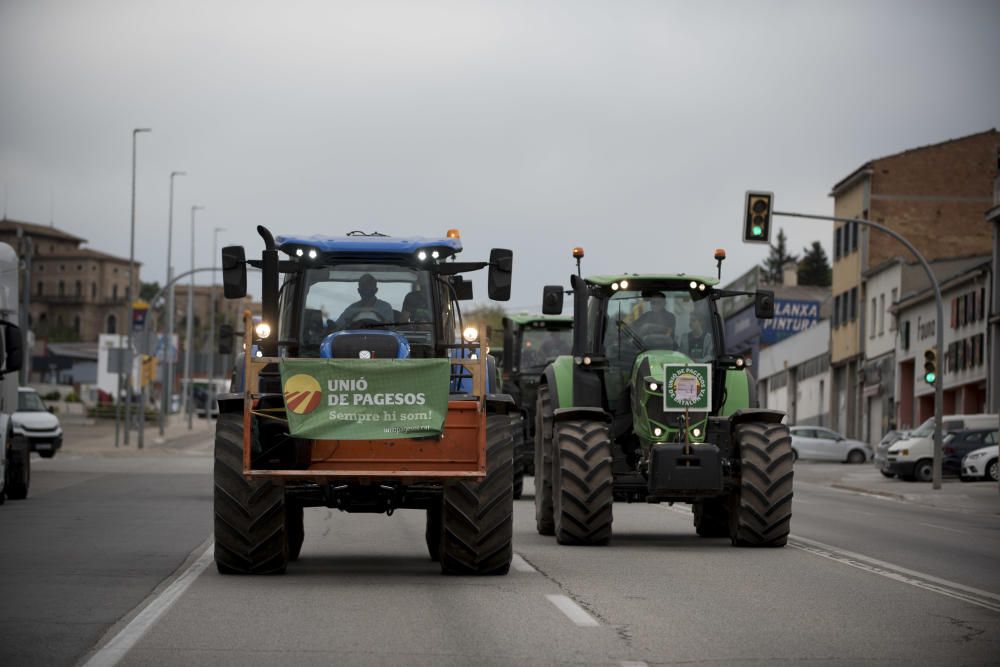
573,611
119,645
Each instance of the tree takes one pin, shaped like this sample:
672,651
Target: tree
814,269
775,262
148,290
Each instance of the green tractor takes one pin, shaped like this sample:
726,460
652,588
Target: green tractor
649,408
530,343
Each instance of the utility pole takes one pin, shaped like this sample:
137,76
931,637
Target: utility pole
130,294
167,385
189,342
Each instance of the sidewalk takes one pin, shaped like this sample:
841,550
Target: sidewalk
97,438
955,495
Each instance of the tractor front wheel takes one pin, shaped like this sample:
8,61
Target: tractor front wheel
762,507
250,517
478,517
582,482
544,520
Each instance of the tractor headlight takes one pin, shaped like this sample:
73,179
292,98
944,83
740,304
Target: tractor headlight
435,254
263,330
422,255
696,432
653,386
624,284
614,287
586,361
657,431
299,252
312,253
693,285
470,334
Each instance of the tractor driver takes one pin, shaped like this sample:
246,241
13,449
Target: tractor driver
657,321
368,308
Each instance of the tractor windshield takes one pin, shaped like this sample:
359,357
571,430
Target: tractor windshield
658,319
539,346
366,296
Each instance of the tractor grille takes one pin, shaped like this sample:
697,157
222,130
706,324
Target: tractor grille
654,410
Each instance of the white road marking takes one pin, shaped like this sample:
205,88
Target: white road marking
116,649
573,611
921,580
934,525
521,565
633,663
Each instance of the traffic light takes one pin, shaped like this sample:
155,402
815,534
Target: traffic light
225,339
757,217
930,366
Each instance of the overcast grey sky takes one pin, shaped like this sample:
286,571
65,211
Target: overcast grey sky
631,128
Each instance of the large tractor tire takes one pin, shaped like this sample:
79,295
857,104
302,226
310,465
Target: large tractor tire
544,519
517,433
250,515
432,532
295,529
582,485
477,518
711,517
761,511
18,469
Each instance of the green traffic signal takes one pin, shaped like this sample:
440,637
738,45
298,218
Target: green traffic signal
930,377
757,217
930,366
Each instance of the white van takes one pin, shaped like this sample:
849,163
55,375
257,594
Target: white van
913,458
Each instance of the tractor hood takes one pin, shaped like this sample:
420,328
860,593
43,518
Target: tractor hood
649,420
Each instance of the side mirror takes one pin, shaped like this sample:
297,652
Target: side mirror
234,272
763,306
463,288
501,269
13,348
552,299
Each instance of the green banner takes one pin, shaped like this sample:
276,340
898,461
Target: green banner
365,399
687,387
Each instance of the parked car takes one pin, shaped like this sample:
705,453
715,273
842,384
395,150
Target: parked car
981,464
957,445
912,459
882,449
34,422
821,444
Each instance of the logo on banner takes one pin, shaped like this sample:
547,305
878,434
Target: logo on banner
687,387
302,394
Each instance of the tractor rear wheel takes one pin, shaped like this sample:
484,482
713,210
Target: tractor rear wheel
582,482
762,507
711,517
544,520
250,517
478,517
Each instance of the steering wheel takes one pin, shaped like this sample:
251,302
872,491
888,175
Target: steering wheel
367,317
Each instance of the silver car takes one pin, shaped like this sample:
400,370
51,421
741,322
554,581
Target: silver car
816,443
882,450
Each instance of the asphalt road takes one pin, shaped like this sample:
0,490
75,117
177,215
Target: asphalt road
109,555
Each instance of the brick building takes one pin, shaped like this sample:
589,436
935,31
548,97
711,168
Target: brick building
75,293
935,196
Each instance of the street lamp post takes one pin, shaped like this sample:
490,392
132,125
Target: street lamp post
130,296
167,385
189,340
211,323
